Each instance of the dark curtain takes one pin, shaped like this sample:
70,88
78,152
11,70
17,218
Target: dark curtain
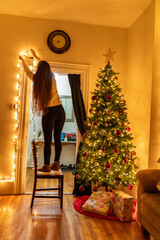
78,104
80,114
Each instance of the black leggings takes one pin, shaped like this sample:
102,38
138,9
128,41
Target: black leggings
53,120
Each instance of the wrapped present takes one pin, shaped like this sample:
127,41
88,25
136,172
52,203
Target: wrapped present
122,205
158,185
99,202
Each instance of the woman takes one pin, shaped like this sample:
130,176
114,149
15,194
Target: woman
46,99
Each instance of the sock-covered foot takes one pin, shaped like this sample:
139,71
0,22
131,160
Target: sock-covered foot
55,166
45,168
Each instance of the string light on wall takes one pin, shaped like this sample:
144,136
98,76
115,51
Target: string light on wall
16,107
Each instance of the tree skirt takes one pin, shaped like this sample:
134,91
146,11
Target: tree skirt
78,203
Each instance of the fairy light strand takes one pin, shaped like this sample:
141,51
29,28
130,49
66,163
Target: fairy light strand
16,108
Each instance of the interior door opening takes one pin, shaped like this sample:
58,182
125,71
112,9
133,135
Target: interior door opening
68,138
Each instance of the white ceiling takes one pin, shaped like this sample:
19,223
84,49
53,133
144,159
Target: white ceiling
116,13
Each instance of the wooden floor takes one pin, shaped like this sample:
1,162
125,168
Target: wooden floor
68,181
47,222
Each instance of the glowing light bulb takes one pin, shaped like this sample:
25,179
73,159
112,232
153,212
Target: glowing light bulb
34,63
18,76
16,115
21,53
16,99
17,86
15,136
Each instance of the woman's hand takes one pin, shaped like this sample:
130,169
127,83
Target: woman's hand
21,58
33,53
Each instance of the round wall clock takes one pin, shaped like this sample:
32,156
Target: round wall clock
58,41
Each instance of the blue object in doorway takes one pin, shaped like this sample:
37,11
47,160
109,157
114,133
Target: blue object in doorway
63,136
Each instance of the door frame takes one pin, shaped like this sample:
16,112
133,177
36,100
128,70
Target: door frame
69,68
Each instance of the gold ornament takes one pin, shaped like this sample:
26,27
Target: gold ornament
120,175
116,113
92,160
109,136
87,140
96,164
99,74
100,152
80,165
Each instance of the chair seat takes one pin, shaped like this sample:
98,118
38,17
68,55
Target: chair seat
50,174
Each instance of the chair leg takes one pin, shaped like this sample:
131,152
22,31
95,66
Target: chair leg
33,194
59,186
61,193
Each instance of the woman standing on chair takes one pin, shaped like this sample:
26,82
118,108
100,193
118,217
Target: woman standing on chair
46,99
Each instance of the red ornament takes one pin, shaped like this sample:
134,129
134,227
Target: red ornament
116,150
90,127
122,111
124,101
109,112
94,98
125,160
95,123
130,186
99,112
107,165
133,153
77,176
109,97
128,129
102,148
115,78
85,154
97,85
118,132
90,110
85,135
110,189
81,188
122,124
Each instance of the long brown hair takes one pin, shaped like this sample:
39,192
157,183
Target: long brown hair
42,85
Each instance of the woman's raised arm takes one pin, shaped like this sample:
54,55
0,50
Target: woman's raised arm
29,73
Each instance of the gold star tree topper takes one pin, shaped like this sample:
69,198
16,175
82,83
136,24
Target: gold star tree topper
109,55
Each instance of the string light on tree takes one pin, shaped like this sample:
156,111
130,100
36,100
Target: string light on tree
111,161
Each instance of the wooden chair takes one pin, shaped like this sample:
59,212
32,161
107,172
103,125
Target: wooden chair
56,174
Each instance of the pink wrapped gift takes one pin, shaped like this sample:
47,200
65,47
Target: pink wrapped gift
122,205
99,202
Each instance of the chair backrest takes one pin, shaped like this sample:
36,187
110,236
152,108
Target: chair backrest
35,155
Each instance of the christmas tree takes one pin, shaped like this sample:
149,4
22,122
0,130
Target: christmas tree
107,156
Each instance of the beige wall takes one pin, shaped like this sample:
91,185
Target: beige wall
155,113
88,45
138,83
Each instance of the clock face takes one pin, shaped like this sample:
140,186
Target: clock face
58,41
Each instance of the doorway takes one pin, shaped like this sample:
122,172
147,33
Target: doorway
68,138
62,68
